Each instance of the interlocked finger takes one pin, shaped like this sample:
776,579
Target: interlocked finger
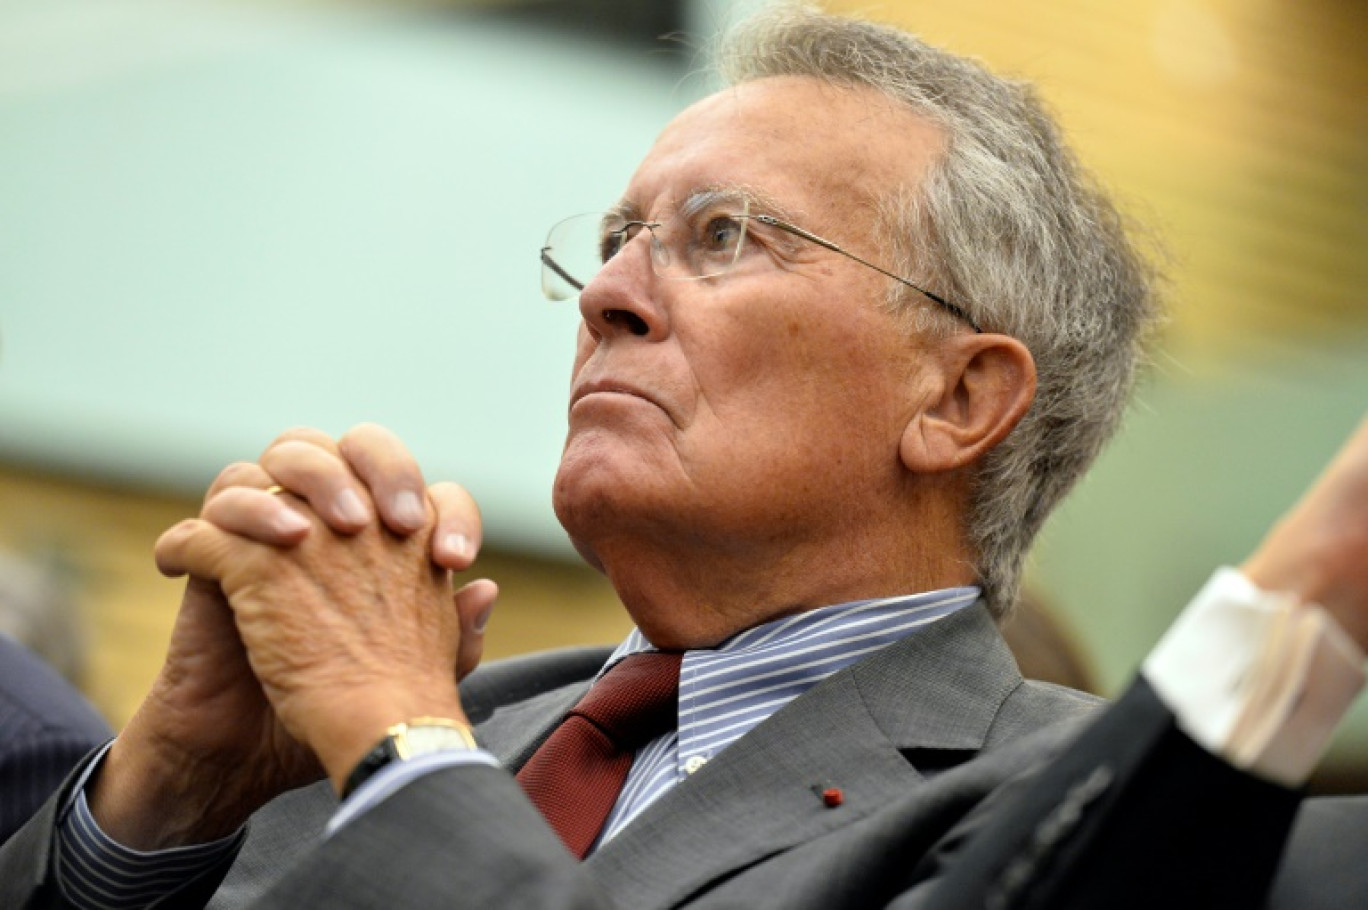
193,547
259,515
385,466
317,475
474,603
239,474
460,531
310,435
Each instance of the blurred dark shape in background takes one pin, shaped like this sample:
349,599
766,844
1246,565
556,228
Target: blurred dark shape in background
46,725
38,611
635,23
1044,646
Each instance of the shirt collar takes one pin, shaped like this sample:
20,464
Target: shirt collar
777,632
726,691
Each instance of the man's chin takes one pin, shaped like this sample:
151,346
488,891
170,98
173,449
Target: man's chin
587,553
605,495
565,494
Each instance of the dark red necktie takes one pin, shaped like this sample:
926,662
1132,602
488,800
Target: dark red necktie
577,774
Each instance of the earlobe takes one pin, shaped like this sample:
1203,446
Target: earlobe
987,384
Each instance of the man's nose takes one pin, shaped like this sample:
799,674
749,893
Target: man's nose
621,299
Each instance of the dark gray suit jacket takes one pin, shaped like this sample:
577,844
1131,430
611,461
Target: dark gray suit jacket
953,798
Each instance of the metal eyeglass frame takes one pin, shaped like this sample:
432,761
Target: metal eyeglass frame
794,229
954,310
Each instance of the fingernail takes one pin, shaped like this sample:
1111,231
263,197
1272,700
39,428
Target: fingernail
459,545
288,521
482,618
351,508
408,509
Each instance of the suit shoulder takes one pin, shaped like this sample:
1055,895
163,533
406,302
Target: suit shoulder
1033,705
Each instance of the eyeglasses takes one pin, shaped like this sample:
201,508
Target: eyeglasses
702,240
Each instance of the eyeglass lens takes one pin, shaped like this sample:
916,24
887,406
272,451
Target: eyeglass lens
691,244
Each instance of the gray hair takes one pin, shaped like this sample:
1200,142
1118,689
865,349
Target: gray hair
1007,225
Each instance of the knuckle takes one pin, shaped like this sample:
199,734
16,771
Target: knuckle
304,434
449,489
367,430
178,533
455,501
300,461
370,438
291,448
239,469
367,441
226,506
239,473
354,448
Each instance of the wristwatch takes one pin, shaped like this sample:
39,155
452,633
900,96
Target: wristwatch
420,736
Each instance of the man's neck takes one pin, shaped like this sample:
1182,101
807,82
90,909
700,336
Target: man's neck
696,596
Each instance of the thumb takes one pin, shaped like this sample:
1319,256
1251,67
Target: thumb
474,604
193,547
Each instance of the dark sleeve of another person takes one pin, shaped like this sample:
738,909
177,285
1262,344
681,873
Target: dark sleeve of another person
46,728
1133,815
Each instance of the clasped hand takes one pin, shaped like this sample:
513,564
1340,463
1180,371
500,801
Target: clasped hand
316,615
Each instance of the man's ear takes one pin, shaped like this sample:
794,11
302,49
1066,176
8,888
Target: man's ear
987,383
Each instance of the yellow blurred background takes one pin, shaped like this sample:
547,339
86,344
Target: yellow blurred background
1238,129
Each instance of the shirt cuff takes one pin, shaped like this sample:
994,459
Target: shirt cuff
1257,678
96,872
396,775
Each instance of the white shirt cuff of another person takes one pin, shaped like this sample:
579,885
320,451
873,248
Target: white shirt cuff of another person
1257,678
400,773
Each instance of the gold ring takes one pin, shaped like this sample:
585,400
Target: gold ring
275,489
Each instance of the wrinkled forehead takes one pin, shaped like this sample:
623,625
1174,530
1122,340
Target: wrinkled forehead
797,146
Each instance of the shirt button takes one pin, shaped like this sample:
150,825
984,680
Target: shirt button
693,763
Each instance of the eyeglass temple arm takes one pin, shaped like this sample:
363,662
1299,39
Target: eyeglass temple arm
555,267
836,248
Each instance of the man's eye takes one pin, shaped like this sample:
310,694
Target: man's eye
722,233
610,243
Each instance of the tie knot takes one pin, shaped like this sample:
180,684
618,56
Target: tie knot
635,701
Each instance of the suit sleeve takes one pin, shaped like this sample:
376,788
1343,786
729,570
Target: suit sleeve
465,836
1133,814
28,879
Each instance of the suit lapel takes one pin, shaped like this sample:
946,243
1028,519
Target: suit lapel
513,733
938,689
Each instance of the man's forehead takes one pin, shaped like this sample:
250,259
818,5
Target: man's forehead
781,140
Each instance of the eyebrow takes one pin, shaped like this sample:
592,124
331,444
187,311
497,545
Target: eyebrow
627,211
699,198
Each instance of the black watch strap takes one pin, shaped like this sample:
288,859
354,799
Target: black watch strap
365,769
404,741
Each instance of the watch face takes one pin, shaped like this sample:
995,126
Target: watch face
421,740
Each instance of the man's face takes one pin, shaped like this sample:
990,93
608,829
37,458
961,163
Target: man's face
758,412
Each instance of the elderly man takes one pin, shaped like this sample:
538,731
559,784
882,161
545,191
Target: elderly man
854,327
